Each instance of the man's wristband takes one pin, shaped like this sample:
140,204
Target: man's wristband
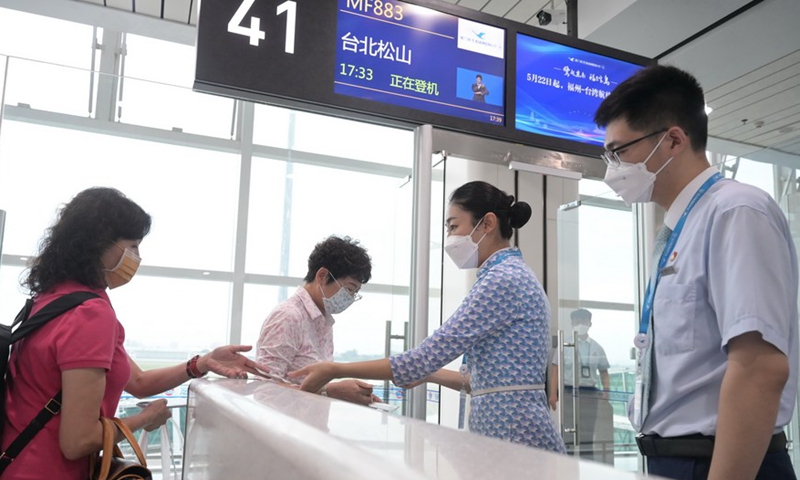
191,368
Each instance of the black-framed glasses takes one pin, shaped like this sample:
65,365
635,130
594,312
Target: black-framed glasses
611,157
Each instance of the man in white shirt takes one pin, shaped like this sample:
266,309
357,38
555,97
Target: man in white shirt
592,373
299,331
721,346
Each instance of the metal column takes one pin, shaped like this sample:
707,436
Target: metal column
2,230
420,254
245,137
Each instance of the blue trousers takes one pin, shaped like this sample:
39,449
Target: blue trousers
776,466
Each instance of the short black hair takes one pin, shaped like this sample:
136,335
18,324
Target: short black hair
85,228
479,76
480,198
343,257
581,315
657,97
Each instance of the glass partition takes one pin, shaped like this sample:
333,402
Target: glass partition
592,366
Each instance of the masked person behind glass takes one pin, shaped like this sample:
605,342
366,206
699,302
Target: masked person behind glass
718,340
502,327
592,371
93,245
299,331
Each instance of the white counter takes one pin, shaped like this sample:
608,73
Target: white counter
240,429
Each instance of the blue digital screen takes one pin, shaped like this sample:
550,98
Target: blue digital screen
411,56
559,89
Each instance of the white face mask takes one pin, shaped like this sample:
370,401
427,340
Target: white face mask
339,301
581,329
462,250
633,181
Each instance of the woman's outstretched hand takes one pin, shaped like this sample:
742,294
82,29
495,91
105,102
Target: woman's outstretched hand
316,376
229,362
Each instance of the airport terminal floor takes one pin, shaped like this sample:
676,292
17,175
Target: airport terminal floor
253,132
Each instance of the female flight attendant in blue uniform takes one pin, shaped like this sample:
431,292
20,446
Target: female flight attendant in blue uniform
502,327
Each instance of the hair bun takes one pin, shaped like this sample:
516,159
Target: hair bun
520,213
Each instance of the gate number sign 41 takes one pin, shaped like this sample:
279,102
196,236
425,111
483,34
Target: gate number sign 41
254,32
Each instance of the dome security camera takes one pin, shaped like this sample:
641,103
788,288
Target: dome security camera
548,16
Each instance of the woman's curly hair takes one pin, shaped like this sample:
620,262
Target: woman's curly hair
85,228
343,257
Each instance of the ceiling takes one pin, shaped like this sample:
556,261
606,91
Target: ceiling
182,11
748,61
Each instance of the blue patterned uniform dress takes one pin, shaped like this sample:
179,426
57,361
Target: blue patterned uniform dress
503,326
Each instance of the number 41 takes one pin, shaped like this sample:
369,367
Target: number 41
254,32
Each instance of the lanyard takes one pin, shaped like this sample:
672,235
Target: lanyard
588,352
642,340
462,398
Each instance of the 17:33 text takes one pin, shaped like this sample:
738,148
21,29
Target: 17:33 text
361,73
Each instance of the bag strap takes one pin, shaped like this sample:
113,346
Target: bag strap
131,439
109,446
54,309
27,325
111,449
50,311
24,313
49,411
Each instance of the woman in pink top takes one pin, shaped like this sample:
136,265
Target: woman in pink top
93,245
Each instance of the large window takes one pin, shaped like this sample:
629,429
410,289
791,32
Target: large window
181,156
45,39
606,246
191,193
156,91
337,177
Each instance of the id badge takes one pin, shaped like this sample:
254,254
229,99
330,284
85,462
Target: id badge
585,372
637,405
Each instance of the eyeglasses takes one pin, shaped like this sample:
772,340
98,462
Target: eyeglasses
611,157
356,296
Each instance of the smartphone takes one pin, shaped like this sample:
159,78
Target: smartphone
384,406
172,402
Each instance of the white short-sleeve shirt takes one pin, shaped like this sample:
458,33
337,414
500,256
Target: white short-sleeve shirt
733,271
591,361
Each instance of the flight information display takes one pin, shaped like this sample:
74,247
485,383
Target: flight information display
559,89
416,61
411,56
